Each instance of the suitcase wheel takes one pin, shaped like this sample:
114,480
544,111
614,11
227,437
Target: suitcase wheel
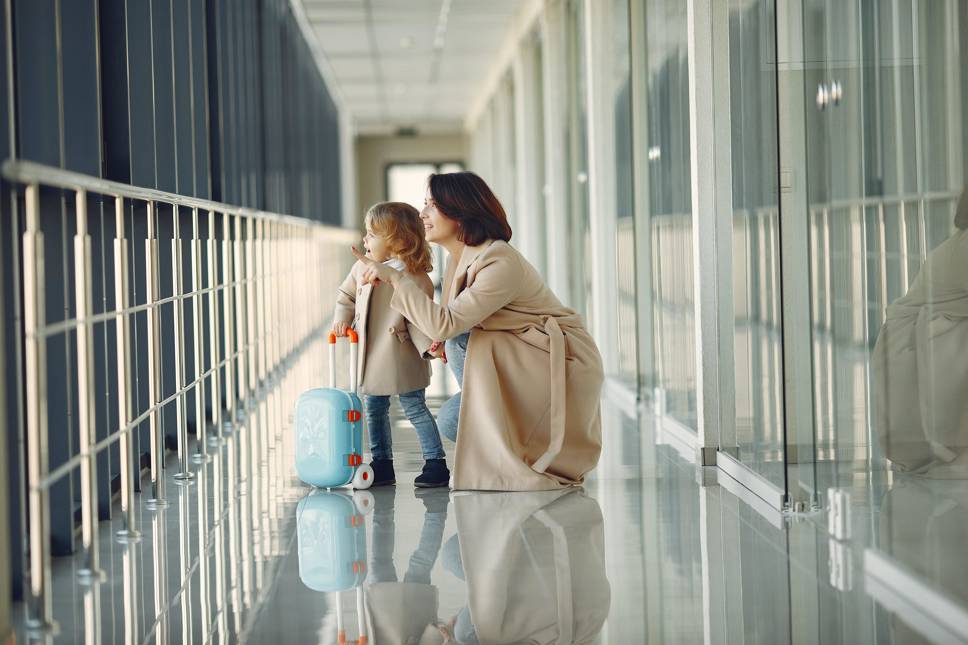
363,477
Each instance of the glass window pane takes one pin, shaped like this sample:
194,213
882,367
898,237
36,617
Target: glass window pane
626,328
408,183
577,136
669,200
756,259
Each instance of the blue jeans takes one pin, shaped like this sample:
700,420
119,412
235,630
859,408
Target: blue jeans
382,568
449,414
415,407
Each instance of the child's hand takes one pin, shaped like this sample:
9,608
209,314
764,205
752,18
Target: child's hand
340,328
437,350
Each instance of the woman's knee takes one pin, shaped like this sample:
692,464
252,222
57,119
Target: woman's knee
448,417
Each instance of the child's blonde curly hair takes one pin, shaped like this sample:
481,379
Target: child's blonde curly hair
400,224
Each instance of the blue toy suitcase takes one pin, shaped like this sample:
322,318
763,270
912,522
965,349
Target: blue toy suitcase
331,536
329,430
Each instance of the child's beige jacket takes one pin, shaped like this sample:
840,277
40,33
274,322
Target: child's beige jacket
391,350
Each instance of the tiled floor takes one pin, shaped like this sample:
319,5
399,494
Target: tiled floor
652,550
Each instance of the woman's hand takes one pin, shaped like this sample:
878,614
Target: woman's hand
375,272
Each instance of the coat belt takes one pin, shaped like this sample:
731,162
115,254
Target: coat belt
557,347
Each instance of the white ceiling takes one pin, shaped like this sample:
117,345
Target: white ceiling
410,63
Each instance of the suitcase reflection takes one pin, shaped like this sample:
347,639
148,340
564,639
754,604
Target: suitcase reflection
331,544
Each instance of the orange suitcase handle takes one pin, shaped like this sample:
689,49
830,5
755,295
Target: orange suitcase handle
351,333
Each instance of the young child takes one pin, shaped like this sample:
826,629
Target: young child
391,350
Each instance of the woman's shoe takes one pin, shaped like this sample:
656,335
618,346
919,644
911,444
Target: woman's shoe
383,474
434,475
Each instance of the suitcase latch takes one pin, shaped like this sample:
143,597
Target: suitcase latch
353,416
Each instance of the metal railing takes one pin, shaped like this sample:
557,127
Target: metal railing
259,283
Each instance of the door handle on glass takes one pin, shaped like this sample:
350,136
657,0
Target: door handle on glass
836,93
823,97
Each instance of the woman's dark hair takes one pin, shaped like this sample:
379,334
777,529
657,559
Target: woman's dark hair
467,199
961,215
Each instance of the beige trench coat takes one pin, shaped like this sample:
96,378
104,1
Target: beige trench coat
391,350
919,367
538,574
529,415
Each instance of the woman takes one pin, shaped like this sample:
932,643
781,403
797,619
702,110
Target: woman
528,417
919,367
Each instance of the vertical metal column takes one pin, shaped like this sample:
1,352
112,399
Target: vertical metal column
255,423
261,251
39,610
85,391
128,458
213,328
239,273
157,452
251,277
184,473
228,289
201,432
277,294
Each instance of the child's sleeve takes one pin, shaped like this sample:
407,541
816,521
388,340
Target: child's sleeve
419,339
346,300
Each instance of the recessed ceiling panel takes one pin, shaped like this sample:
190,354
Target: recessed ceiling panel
406,62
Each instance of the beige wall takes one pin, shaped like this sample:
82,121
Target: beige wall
374,153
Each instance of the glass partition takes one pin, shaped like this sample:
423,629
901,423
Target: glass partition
665,208
758,341
889,289
576,135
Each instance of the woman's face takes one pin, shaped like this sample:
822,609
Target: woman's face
438,227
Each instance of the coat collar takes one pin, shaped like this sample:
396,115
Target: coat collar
467,257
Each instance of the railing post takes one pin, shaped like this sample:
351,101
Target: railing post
129,460
39,609
85,392
251,303
201,431
157,452
184,473
262,255
228,313
213,317
276,294
241,338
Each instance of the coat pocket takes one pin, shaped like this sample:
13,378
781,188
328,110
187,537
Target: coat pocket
536,338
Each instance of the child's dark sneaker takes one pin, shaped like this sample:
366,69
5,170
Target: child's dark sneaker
383,474
434,475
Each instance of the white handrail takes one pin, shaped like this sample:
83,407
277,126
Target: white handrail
276,276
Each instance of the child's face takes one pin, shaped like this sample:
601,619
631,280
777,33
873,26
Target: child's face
377,247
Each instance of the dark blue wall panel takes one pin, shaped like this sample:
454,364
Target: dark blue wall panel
215,98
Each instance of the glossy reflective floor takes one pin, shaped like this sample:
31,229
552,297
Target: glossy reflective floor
652,550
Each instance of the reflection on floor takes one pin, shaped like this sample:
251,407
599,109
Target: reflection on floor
652,550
